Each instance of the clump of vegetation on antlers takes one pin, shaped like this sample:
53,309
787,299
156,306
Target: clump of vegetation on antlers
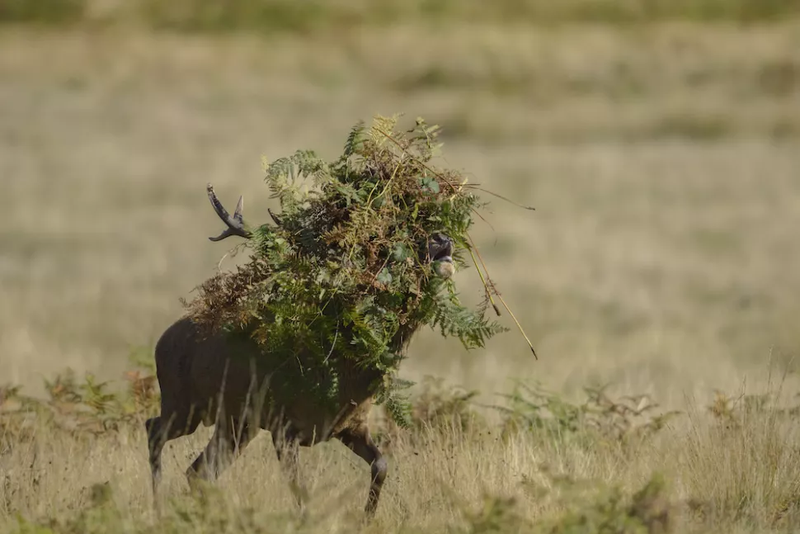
344,272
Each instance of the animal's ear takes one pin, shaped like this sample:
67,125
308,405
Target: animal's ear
235,224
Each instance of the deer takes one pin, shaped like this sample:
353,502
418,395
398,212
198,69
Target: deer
209,378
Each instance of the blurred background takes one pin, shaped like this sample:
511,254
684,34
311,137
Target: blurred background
657,140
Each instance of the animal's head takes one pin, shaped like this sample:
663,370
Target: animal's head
439,251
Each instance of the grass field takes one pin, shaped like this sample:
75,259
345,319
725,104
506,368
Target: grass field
663,164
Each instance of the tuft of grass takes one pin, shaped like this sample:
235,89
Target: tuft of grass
283,16
697,126
751,447
49,12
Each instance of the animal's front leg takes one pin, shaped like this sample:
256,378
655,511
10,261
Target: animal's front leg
226,444
360,442
288,453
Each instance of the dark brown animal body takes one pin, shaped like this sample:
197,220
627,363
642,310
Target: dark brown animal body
213,380
217,379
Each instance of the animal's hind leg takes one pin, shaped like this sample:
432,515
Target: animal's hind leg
360,442
159,432
226,444
155,444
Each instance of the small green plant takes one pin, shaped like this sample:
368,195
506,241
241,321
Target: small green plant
438,406
496,515
225,15
87,407
533,409
603,509
578,507
733,411
434,407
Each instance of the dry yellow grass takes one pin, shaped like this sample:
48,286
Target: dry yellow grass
737,474
662,256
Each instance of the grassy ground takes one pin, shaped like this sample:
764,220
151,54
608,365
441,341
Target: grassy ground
662,161
605,466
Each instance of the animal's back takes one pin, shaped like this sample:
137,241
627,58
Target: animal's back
195,369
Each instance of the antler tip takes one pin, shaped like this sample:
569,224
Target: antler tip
239,207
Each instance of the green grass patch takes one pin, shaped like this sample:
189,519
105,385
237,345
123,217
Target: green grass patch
54,12
312,15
